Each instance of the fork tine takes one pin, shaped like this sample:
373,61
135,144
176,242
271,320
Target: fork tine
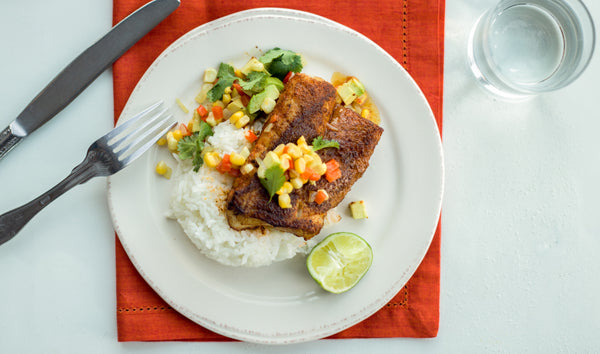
140,150
117,145
135,137
121,128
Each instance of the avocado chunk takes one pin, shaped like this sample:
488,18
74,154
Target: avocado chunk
256,101
274,81
350,90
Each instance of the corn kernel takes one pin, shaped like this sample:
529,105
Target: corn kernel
300,165
172,142
293,150
279,149
161,167
236,159
211,159
320,169
227,90
284,201
308,158
218,103
236,116
286,188
247,168
297,182
242,122
304,146
316,159
301,140
177,134
286,161
226,98
365,113
161,141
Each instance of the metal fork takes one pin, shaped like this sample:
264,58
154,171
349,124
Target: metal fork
105,157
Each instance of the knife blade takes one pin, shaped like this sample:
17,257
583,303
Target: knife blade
83,70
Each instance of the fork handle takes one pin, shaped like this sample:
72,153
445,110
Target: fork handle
13,221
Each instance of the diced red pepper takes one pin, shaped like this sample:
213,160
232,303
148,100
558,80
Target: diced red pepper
245,99
243,95
238,88
217,112
184,130
225,165
202,112
287,77
250,136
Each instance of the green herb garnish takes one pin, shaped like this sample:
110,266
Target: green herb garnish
226,77
319,143
274,179
279,62
255,81
190,147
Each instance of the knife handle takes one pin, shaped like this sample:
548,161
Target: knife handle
7,141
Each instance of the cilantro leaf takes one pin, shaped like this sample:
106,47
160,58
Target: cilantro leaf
279,62
255,81
190,147
226,77
319,143
274,179
204,131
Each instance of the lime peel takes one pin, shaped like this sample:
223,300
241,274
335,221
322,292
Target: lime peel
340,261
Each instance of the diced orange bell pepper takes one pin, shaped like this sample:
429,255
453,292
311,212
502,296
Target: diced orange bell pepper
321,196
217,112
333,170
225,165
250,136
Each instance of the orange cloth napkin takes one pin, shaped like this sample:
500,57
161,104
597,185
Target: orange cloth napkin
412,31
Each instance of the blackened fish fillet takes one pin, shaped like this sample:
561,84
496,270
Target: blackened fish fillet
306,108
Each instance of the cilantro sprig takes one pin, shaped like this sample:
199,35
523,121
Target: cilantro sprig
190,147
319,143
226,77
279,62
273,181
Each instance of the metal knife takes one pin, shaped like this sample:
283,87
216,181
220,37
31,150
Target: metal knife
82,71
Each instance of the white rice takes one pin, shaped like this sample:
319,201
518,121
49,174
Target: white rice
198,202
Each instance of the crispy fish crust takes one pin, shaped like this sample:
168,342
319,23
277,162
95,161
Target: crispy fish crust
306,107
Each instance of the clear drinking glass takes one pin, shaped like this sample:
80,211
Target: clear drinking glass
525,47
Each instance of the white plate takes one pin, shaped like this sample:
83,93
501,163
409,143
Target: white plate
280,303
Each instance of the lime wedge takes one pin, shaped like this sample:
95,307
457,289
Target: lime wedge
339,261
